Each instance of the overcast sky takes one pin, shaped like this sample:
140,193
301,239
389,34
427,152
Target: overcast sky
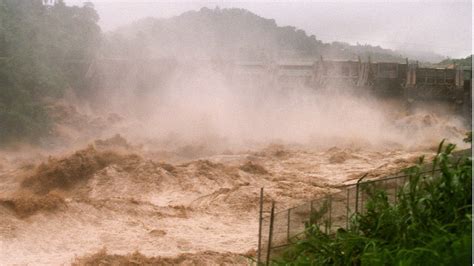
444,27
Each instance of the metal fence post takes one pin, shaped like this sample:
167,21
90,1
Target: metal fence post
270,234
330,214
347,209
288,229
357,193
260,228
396,191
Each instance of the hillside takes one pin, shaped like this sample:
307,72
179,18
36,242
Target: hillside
465,62
231,34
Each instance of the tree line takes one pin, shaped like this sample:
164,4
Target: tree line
35,43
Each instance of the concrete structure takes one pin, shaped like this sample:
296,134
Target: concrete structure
407,81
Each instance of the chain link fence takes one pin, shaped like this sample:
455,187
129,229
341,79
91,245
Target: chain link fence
330,212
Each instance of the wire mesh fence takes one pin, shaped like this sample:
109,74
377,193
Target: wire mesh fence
330,212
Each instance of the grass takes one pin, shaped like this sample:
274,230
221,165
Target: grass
430,223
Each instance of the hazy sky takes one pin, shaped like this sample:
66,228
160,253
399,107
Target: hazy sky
444,27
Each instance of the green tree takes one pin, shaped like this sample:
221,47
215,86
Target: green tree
37,46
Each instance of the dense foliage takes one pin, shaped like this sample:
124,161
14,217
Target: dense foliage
430,224
37,43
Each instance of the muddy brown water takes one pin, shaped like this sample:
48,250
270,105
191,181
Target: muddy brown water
204,206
